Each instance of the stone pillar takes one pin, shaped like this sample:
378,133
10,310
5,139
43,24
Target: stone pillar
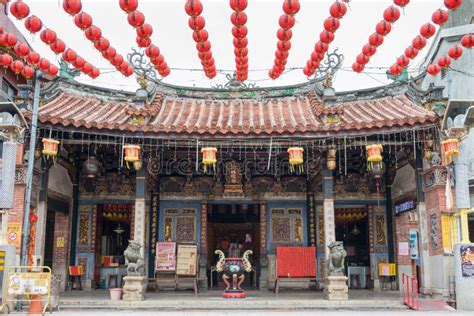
328,208
140,218
463,202
263,281
204,250
42,212
153,227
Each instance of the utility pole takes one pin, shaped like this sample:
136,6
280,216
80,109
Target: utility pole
29,174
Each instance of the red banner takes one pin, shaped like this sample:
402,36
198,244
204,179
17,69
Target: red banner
296,262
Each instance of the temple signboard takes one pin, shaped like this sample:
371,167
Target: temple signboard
165,256
186,262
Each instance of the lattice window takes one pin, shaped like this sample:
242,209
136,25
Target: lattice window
180,225
287,226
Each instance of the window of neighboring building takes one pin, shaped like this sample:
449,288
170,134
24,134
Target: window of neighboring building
8,88
180,225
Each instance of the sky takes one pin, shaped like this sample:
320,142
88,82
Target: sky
174,38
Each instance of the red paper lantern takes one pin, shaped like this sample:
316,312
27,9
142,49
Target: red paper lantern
21,49
376,39
117,60
83,20
16,66
136,18
331,24
439,17
444,61
19,10
33,218
280,54
8,39
94,73
316,56
411,52
401,3
427,30
33,58
467,41
48,36
33,24
326,37
383,27
5,60
87,68
79,62
58,46
240,42
391,14
144,30
152,51
238,5
202,55
403,61
321,47
202,35
193,7
27,72
362,59
128,72
72,7
203,46
44,64
284,46
272,74
102,44
93,33
357,67
307,72
69,55
337,10
280,62
452,4
128,5
396,69
291,7
369,50
284,34
208,62
157,60
167,71
163,66
419,42
197,23
286,21
123,67
238,18
238,32
1,29
455,52
143,42
433,69
53,70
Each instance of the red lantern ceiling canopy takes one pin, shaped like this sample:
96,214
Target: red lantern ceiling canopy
83,20
33,58
128,5
27,72
72,7
17,66
8,39
5,60
440,17
19,10
239,31
33,24
21,49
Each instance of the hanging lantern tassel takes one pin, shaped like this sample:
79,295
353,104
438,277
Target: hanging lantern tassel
209,158
296,159
131,153
50,148
374,155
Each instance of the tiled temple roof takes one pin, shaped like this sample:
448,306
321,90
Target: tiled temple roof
286,115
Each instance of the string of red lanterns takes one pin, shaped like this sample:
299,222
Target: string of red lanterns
382,29
197,23
331,24
239,31
144,30
427,30
284,34
467,41
94,34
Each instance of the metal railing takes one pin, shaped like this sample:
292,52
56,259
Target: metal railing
410,292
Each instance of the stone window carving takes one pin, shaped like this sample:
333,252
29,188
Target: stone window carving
180,225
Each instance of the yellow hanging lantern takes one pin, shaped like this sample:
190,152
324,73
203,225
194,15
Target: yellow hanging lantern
209,157
131,153
374,154
331,159
450,147
296,158
50,147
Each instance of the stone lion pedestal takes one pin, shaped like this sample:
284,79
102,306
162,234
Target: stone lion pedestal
134,288
335,288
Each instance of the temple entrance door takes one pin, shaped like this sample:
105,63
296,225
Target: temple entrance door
233,228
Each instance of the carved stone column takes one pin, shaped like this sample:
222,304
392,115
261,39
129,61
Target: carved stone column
139,216
328,207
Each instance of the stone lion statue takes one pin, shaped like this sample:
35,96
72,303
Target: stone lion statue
133,259
337,255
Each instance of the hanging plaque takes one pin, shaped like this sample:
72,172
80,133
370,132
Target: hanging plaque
187,260
165,256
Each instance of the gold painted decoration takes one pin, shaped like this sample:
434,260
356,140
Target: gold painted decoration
380,229
331,159
296,158
209,157
50,147
450,147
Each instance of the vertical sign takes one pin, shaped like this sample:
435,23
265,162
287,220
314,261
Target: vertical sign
414,244
446,233
14,235
467,261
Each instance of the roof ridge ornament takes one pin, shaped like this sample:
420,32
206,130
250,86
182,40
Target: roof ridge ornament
142,66
234,84
330,66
